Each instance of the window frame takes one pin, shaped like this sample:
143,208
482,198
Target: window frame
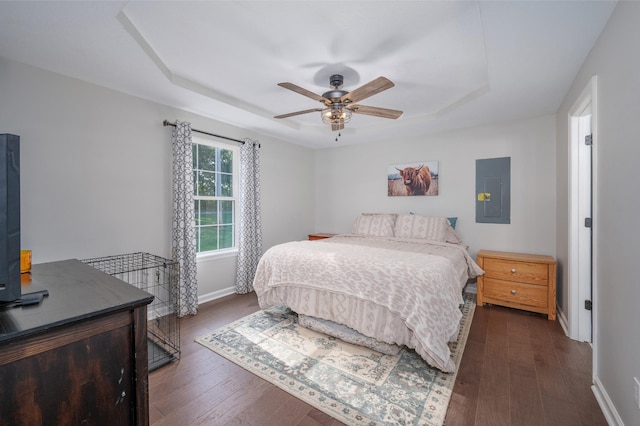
235,177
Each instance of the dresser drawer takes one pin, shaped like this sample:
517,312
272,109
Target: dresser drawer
512,293
523,272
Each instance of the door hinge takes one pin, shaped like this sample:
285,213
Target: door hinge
588,140
587,222
587,304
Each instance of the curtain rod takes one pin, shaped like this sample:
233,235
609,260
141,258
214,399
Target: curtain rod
168,123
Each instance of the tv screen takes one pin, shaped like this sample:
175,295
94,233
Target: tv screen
9,218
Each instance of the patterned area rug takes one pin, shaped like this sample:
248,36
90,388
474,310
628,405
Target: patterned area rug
353,384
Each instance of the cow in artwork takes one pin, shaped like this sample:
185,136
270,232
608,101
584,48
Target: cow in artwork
416,180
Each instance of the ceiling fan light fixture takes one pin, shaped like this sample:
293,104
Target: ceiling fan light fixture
335,115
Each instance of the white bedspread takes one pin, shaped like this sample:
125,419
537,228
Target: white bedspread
399,291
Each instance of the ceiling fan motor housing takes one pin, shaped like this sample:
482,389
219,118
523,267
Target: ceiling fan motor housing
334,95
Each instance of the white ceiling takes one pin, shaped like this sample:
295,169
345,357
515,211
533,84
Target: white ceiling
455,64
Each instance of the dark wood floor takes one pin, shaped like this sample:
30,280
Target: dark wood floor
517,369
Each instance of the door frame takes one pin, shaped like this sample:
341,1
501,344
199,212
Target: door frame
586,100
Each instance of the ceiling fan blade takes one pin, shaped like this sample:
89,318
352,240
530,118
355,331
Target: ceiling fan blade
291,114
371,88
304,92
337,126
375,111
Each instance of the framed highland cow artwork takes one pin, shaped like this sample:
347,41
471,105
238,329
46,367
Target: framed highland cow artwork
419,178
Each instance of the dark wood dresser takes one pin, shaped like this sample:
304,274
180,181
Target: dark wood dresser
78,357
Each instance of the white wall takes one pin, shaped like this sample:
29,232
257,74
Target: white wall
617,150
353,179
96,172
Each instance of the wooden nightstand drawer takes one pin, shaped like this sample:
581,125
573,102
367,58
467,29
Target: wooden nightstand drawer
513,293
525,272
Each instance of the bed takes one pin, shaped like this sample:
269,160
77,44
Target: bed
395,278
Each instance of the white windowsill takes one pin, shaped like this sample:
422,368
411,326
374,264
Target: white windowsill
204,257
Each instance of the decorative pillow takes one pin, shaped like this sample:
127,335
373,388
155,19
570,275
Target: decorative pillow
375,225
452,221
427,227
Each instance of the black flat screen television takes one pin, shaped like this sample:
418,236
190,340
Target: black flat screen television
10,287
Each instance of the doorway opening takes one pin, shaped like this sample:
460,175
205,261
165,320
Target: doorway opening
582,284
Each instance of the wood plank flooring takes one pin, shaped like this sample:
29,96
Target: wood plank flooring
517,369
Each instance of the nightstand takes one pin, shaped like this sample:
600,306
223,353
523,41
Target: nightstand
516,280
320,236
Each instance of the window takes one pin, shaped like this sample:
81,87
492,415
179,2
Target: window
215,191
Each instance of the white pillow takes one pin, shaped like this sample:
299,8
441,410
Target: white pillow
375,225
426,227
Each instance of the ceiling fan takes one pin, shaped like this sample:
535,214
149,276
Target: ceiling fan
340,104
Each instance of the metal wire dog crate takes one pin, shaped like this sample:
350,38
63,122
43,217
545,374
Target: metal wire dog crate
159,277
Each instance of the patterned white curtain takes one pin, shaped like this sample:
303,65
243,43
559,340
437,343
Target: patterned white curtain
250,226
183,243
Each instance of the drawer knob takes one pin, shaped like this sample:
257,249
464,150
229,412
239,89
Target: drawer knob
513,292
513,271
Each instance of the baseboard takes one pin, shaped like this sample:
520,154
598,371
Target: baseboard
607,407
562,319
215,295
